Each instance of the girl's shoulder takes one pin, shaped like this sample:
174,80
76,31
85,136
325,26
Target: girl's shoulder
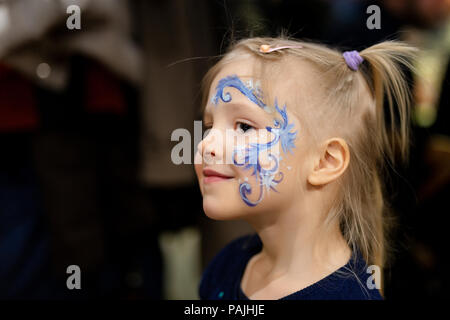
352,281
228,265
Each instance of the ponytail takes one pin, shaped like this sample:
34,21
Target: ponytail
368,217
387,61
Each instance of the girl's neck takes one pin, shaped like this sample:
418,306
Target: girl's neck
297,244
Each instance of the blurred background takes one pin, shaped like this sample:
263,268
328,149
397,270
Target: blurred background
86,117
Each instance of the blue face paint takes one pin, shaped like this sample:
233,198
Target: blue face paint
283,130
234,82
268,178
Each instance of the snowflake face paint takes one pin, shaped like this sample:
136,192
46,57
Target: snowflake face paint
249,157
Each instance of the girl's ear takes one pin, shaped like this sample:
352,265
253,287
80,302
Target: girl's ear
332,162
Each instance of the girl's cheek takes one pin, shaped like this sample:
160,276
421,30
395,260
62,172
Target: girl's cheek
265,160
235,147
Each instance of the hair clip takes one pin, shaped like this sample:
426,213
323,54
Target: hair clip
265,48
352,59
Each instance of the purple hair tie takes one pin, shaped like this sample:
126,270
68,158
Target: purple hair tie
353,59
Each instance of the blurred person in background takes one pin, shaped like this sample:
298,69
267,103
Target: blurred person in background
69,151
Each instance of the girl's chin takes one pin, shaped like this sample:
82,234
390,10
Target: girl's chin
221,210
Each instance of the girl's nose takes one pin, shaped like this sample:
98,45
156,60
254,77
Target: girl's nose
211,147
210,152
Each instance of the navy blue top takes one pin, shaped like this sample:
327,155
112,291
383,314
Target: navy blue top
222,278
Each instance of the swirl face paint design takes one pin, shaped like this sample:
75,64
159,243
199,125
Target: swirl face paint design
268,177
252,93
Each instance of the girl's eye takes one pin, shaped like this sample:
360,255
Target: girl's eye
244,127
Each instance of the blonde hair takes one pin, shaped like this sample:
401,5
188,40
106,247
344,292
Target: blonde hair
373,141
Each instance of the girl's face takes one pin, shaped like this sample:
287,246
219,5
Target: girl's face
252,160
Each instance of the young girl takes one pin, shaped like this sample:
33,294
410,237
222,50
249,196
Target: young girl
297,146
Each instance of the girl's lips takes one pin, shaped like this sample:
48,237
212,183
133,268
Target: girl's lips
210,176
